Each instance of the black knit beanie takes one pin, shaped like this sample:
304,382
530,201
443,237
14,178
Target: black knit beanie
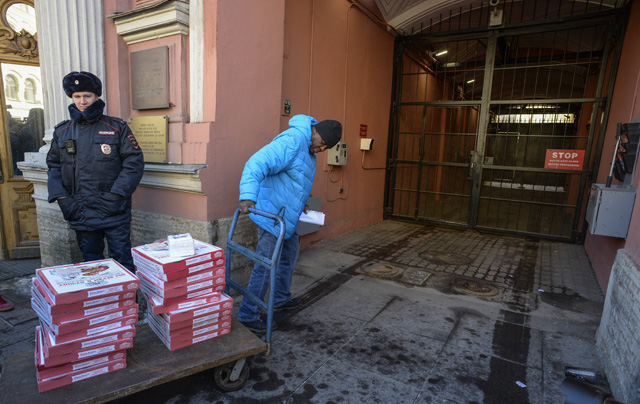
330,131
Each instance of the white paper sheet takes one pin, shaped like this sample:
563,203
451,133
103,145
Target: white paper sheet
181,245
313,217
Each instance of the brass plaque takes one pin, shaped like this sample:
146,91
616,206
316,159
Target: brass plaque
150,78
151,133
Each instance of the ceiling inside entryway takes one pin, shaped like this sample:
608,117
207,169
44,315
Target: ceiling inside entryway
414,16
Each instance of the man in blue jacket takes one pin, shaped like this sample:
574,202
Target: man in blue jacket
95,164
278,179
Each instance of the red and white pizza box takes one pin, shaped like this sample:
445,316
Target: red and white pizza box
216,265
173,345
72,315
193,322
92,331
156,255
86,280
51,348
190,325
45,361
155,285
156,306
69,326
186,280
49,361
45,384
222,306
161,305
38,290
185,333
63,370
66,368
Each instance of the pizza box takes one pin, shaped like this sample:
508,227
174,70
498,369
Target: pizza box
185,333
85,332
51,348
155,285
173,345
45,361
80,336
86,280
68,326
189,325
156,255
42,292
217,265
161,304
72,315
45,384
185,280
173,325
225,303
47,373
156,307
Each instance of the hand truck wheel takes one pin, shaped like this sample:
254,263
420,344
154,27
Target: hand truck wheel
231,376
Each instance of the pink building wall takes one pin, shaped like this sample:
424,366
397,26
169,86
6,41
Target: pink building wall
625,106
328,57
331,62
338,64
243,68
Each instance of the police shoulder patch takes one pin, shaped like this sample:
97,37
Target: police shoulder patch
133,141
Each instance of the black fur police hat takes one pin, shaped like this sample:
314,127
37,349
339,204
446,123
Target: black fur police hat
330,131
81,81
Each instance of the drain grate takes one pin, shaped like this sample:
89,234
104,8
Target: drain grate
10,269
475,288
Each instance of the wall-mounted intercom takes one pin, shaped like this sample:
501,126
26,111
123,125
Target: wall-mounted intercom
337,155
366,144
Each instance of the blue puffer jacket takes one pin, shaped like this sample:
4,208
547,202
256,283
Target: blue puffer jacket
281,175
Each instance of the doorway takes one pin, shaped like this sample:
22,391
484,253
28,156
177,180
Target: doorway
477,113
21,127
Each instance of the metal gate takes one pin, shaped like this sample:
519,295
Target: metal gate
478,113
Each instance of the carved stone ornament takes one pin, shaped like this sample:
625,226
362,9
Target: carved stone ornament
14,45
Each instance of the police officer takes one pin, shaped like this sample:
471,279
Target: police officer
95,164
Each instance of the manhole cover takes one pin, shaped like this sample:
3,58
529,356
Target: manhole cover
474,288
446,258
382,270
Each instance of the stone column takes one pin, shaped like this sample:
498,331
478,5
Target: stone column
70,37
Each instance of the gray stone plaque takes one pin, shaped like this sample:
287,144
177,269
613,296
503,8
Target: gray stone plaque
150,78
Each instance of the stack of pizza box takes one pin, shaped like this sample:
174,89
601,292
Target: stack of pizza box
184,294
87,315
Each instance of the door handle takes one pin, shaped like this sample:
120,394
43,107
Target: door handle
473,162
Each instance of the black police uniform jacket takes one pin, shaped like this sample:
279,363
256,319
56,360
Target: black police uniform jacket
96,179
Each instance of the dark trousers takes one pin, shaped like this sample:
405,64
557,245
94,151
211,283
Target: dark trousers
118,241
